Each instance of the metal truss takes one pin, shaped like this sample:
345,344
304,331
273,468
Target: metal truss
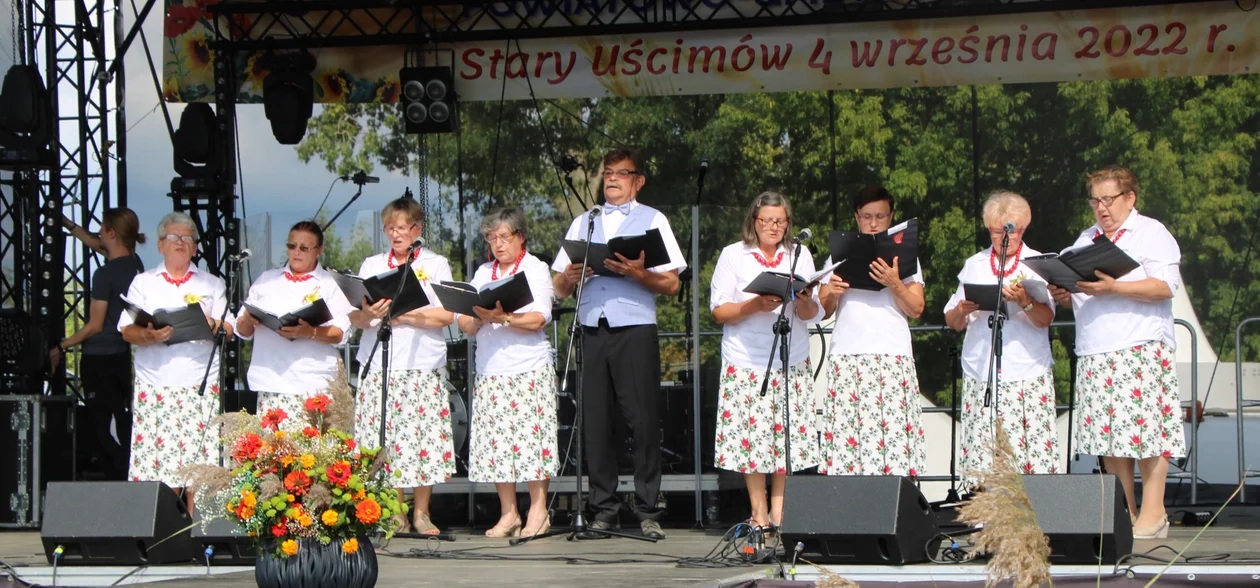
294,24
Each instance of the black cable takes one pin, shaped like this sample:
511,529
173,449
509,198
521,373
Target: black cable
498,127
818,330
551,152
128,574
321,204
578,118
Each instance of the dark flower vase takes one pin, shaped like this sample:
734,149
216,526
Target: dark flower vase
317,566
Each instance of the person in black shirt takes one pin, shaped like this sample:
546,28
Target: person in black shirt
105,368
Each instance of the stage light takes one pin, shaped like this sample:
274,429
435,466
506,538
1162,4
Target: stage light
22,344
26,120
289,95
195,148
428,99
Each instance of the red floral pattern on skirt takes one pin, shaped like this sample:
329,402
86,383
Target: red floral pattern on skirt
1127,403
872,421
750,427
170,429
417,425
1026,409
514,427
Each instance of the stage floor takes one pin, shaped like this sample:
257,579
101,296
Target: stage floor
603,562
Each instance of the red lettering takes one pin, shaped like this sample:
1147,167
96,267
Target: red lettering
825,64
993,41
892,50
651,61
1042,54
475,65
1088,51
542,58
1111,34
919,44
968,44
494,63
939,50
632,58
1145,49
709,52
562,75
1175,47
612,61
768,61
1213,31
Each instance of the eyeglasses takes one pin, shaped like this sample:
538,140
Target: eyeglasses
1105,200
867,217
495,239
399,229
621,174
173,238
772,222
1000,230
302,248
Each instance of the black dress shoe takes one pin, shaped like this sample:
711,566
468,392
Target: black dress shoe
597,525
651,529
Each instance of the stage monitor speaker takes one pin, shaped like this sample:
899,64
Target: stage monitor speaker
1081,514
230,545
116,523
858,520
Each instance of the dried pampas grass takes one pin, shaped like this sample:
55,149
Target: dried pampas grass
341,414
1011,535
203,477
830,578
232,425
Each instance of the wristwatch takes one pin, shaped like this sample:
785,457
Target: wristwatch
1030,306
507,321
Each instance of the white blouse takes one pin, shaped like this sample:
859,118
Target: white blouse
871,323
1110,323
502,350
746,344
298,366
1025,346
409,348
183,364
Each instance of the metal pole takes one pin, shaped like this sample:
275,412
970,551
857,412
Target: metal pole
695,360
1238,387
1193,457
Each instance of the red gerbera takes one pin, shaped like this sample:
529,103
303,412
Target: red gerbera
246,448
339,472
310,432
280,529
350,444
297,482
273,418
318,403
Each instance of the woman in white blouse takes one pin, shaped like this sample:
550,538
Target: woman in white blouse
170,421
418,424
872,420
1024,401
750,427
1126,380
514,406
290,365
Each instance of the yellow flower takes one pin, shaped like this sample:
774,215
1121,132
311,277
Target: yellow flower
290,498
289,547
305,520
280,434
249,499
312,297
330,518
350,546
191,298
422,275
287,460
308,461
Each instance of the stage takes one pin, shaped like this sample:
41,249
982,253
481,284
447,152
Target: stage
1227,553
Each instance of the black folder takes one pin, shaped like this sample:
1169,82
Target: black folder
771,283
315,314
1078,265
189,322
650,244
383,286
860,250
513,293
986,294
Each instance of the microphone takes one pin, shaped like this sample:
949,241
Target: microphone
362,178
704,169
568,164
804,235
417,244
239,257
1008,228
598,210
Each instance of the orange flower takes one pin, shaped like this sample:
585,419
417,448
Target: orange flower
273,418
310,432
318,403
368,511
350,546
360,495
297,482
339,472
289,547
287,460
329,518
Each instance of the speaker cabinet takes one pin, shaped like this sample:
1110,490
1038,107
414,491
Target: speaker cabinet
116,523
1081,514
232,547
858,520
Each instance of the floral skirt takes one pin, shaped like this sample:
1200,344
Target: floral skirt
170,429
417,426
1026,410
514,427
872,422
1127,403
750,426
293,405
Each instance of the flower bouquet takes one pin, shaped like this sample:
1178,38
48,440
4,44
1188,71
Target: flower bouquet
298,482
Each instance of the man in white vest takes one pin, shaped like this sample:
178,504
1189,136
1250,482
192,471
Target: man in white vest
621,359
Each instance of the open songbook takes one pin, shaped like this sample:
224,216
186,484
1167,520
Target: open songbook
189,322
986,294
1078,264
315,314
512,292
384,286
860,250
649,244
772,283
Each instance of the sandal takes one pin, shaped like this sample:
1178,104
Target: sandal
497,532
403,525
423,525
546,526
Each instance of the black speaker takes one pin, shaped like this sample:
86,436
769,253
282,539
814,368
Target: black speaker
228,545
1081,513
858,520
116,523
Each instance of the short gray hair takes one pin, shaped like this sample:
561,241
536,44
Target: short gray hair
510,216
177,218
1003,205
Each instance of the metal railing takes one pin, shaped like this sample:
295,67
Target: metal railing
1243,472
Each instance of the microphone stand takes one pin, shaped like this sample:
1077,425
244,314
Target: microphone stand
782,340
383,334
218,337
579,518
358,181
996,321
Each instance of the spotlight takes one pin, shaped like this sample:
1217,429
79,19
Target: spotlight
289,96
195,148
26,119
22,344
428,99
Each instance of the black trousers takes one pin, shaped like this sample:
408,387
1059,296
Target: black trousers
621,369
108,387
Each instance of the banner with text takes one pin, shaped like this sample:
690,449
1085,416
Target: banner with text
1213,38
